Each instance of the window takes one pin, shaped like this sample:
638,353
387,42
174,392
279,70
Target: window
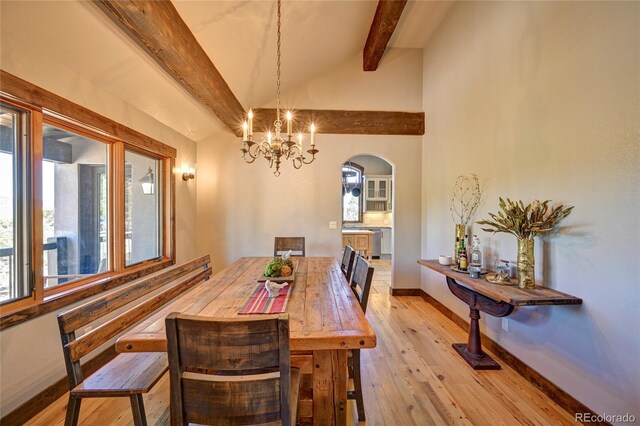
14,249
74,206
80,201
142,208
352,176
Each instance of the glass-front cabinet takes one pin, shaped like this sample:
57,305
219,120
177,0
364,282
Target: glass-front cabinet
378,193
377,188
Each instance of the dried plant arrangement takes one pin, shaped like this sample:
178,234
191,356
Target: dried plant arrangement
524,222
465,198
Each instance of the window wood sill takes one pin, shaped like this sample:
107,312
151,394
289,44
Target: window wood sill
17,313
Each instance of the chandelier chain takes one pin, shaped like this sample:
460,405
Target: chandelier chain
278,147
278,67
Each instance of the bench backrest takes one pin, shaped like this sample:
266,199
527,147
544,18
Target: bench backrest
76,318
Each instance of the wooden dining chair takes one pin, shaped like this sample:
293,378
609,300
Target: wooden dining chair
284,244
231,370
361,286
346,265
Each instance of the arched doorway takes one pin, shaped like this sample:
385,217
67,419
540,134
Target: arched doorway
367,204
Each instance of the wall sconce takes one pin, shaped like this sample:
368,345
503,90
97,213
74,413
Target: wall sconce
188,173
148,183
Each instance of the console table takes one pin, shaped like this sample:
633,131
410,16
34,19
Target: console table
494,299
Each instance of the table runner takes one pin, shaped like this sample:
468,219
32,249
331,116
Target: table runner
261,303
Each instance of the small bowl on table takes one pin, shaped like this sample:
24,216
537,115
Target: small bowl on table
445,260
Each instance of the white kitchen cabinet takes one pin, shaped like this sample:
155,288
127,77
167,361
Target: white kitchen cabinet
378,193
377,188
387,242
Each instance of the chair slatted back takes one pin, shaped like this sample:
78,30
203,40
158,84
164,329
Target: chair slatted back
346,265
282,245
361,281
229,371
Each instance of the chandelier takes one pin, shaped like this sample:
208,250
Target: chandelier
276,147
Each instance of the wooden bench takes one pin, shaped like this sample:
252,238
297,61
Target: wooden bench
127,375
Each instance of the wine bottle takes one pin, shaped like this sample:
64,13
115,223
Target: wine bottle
462,257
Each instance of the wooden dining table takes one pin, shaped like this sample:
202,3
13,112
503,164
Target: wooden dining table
325,322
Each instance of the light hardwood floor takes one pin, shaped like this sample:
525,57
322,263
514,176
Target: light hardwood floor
413,377
381,283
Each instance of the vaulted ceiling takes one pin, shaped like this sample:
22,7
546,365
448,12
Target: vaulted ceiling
238,37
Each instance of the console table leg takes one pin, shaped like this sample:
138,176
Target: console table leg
472,351
474,345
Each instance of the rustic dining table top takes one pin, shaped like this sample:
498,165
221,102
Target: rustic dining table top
323,311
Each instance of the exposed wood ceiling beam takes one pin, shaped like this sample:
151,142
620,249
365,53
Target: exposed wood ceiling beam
158,28
347,122
384,23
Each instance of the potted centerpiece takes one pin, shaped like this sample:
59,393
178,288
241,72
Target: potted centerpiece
279,269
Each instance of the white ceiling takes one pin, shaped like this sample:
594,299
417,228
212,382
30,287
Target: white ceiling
240,39
238,36
418,22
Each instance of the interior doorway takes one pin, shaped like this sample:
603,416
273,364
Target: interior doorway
367,207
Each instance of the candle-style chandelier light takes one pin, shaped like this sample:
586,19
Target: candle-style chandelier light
275,148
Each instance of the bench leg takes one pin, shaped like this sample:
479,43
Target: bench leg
137,408
73,411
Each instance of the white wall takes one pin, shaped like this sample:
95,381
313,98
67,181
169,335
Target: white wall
542,100
394,86
242,207
34,347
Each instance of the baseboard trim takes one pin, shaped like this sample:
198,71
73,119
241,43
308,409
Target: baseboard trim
29,409
559,396
406,292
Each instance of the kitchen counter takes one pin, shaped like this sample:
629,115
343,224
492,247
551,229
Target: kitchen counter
361,240
382,238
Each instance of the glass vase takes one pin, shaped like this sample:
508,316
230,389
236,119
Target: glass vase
460,233
526,263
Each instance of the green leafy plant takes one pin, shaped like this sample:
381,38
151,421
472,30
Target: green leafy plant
525,221
273,268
